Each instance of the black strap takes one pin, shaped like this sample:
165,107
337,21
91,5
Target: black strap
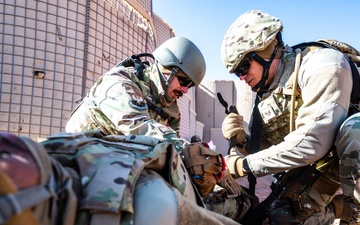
255,126
158,110
140,65
255,140
135,61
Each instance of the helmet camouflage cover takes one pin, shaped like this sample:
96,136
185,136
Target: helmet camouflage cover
252,31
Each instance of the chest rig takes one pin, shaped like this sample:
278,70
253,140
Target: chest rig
279,109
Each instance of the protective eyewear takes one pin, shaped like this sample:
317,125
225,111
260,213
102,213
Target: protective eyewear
185,82
243,68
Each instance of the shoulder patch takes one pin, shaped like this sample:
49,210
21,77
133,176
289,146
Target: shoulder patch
136,100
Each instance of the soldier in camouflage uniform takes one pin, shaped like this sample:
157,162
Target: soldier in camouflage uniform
304,97
92,179
123,98
126,101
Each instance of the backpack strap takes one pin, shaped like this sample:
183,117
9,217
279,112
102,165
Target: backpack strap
158,110
294,88
135,61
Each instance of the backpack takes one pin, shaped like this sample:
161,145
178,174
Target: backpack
353,57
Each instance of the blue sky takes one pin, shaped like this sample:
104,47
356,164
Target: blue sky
206,21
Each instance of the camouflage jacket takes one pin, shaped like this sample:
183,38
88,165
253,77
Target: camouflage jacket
118,104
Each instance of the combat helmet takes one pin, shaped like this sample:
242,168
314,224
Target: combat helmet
254,31
181,53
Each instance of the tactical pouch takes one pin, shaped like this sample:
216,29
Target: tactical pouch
307,192
204,165
109,167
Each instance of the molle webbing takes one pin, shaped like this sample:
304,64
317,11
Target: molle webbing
208,164
309,181
325,185
199,159
314,179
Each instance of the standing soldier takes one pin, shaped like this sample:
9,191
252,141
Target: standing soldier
302,101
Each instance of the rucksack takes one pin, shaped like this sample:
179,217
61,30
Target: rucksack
353,57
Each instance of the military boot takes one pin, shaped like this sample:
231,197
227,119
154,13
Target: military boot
346,209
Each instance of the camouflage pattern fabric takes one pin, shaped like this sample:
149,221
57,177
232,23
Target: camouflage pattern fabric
116,104
350,51
275,106
244,37
348,147
189,213
110,165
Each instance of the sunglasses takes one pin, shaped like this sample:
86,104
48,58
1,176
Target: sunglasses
185,82
243,68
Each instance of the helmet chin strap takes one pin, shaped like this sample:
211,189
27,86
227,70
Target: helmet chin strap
173,71
167,81
261,85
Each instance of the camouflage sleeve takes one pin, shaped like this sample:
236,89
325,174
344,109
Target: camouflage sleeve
325,81
113,105
174,123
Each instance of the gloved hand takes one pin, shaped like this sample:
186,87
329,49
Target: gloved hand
234,163
217,196
232,126
229,183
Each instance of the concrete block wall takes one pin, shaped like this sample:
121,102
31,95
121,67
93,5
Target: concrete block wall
51,53
41,52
